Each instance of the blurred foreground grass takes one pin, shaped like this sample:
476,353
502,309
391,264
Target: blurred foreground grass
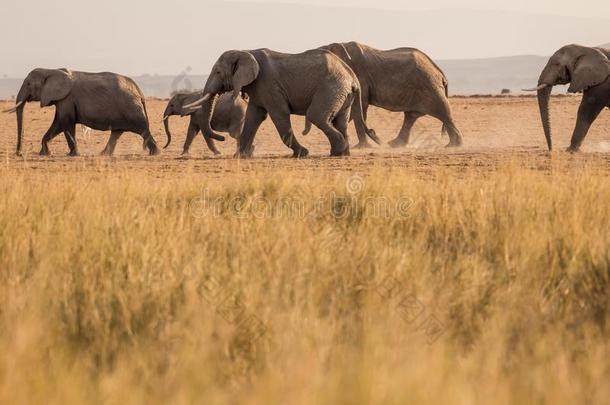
299,288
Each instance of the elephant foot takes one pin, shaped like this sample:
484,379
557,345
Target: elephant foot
300,153
342,153
44,152
106,153
373,135
398,142
73,153
573,149
245,154
454,144
362,145
153,151
216,152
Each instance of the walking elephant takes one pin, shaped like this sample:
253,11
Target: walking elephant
101,101
400,80
587,70
315,83
229,116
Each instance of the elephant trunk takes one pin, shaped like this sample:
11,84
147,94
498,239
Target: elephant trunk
167,131
208,112
22,98
544,96
19,128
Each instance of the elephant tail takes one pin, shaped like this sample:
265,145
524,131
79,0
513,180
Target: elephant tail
359,115
446,86
307,128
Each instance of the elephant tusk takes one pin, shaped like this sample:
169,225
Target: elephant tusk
165,118
542,86
13,109
198,102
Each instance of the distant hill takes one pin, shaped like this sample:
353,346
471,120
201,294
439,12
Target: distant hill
490,76
466,77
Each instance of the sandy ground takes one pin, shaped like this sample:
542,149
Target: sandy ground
496,131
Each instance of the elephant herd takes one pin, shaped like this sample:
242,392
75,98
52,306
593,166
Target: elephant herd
330,86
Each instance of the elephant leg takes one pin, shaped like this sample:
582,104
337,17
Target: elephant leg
363,142
191,133
455,137
114,137
341,122
70,135
590,108
339,146
150,142
51,133
284,128
236,128
443,114
254,118
210,143
405,132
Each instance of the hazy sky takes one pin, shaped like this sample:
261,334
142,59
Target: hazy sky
559,7
140,36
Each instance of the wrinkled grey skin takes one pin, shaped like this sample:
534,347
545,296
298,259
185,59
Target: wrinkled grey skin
401,80
101,101
587,70
316,84
229,116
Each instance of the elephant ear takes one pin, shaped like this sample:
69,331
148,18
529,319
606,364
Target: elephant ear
590,69
56,86
246,70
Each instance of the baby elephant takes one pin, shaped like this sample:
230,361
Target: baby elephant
101,101
229,116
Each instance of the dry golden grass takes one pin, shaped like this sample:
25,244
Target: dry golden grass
305,286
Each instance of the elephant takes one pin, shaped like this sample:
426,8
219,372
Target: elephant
587,70
101,101
229,116
315,83
400,80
